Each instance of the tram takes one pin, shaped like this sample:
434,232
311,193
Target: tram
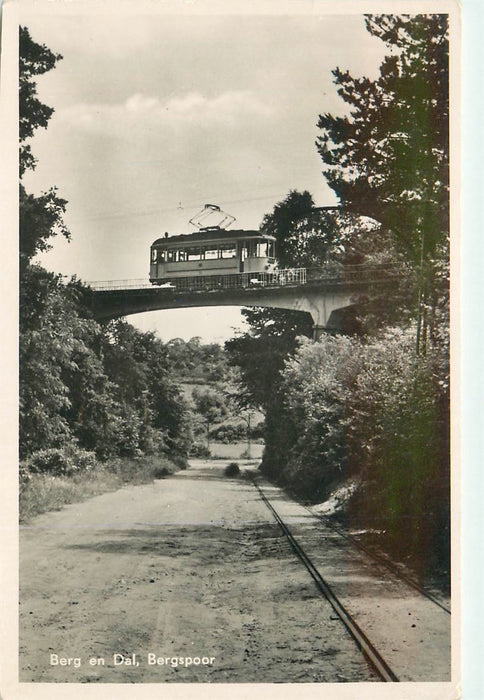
211,252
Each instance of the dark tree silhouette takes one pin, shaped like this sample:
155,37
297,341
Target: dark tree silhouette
40,217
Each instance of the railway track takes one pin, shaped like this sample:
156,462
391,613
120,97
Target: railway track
374,658
371,653
381,560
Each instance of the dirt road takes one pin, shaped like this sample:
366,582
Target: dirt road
190,579
189,567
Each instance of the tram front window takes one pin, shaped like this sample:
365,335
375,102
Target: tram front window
251,249
262,249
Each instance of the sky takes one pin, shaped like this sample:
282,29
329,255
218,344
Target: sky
159,114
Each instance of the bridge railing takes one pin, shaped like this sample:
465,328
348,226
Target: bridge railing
241,280
339,273
333,273
107,285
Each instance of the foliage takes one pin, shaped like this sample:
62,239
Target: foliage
375,410
154,415
302,240
193,360
260,352
232,469
389,158
41,217
64,393
309,236
199,449
106,388
211,404
34,59
61,462
235,432
43,354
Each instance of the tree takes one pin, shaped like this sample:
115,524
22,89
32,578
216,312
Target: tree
197,361
211,405
372,411
389,158
137,365
64,392
34,59
260,352
104,388
307,236
40,217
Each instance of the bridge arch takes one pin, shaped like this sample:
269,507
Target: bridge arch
325,300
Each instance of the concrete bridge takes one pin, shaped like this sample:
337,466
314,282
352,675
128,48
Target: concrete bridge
327,293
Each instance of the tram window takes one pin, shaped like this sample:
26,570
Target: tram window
162,256
251,249
171,255
154,255
270,249
182,255
262,249
193,253
209,252
228,250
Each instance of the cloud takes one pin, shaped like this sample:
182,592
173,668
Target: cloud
229,109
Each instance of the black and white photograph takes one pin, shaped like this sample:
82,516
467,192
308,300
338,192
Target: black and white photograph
236,273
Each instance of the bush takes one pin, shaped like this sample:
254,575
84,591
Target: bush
236,432
232,469
179,460
56,461
199,450
229,433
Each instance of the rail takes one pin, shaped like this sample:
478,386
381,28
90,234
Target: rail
331,273
370,652
381,560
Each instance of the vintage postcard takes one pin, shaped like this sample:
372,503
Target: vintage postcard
233,447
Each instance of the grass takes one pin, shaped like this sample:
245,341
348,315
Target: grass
43,492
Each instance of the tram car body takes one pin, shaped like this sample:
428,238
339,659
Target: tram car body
211,252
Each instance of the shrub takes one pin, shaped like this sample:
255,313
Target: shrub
56,461
232,469
179,460
236,432
199,450
229,433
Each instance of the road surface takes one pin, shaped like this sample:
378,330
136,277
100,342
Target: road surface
187,579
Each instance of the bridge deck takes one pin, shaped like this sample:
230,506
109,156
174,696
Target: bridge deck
318,291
